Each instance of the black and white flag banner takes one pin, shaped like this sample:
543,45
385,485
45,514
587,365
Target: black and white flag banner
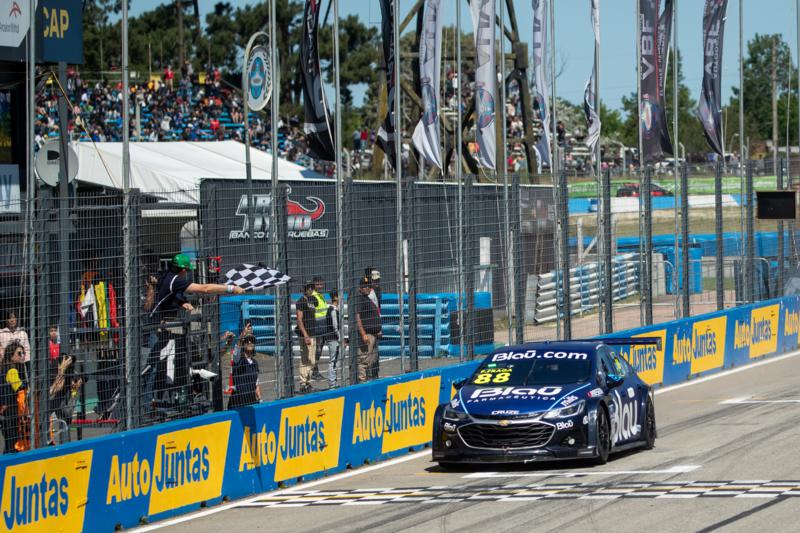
592,118
255,277
426,134
651,113
317,125
540,89
483,21
386,131
711,94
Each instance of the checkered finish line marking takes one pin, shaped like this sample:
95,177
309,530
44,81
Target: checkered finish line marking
512,493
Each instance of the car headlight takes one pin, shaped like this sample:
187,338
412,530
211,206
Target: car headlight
564,412
452,414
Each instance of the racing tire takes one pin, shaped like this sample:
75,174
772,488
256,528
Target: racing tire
649,430
603,432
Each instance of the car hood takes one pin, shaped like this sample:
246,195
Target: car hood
511,401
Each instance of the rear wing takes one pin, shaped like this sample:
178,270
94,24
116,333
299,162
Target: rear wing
631,341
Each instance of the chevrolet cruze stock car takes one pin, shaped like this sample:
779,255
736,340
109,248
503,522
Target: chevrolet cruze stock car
547,401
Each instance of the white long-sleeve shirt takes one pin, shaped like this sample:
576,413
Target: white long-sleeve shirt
7,336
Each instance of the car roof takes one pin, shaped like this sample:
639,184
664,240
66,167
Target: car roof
556,346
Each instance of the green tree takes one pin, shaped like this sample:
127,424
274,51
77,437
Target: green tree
757,81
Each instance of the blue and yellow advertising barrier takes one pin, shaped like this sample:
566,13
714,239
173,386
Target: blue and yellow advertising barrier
153,473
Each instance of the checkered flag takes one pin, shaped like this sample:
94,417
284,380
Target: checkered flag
255,277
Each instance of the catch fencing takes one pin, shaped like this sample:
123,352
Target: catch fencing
456,268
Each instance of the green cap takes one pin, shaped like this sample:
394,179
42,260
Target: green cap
183,261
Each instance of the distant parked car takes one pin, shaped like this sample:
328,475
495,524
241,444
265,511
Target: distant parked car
629,190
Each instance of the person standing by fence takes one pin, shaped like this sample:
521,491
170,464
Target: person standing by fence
245,369
368,322
306,330
332,338
320,316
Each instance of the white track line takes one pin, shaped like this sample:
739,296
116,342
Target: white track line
303,486
423,453
725,373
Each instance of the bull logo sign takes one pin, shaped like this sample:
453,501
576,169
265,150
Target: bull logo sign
301,218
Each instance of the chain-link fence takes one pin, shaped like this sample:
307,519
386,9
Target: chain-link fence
99,337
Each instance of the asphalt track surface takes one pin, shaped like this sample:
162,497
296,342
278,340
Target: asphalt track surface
726,460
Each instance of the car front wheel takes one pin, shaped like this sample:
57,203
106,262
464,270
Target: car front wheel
649,436
603,432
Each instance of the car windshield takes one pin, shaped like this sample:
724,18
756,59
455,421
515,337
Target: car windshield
531,371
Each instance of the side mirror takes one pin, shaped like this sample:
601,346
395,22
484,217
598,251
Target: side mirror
460,383
614,380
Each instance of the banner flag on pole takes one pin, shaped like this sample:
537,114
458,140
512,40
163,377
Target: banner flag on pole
483,20
317,125
664,40
711,94
540,90
387,130
426,134
651,112
592,118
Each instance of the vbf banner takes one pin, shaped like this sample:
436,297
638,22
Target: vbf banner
317,126
664,34
386,131
483,20
711,93
651,114
426,134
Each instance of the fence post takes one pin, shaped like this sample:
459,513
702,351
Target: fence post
749,267
563,218
718,219
647,277
469,249
685,289
411,254
792,243
351,364
608,254
519,270
781,244
283,303
131,323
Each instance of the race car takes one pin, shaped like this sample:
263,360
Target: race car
547,401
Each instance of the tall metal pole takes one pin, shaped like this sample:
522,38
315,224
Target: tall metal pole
459,185
275,206
684,194
247,164
130,299
30,211
555,159
746,267
509,274
398,175
339,188
644,281
605,284
789,184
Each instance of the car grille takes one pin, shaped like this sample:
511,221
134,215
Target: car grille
512,436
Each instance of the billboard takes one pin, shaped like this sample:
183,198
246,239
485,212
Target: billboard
59,30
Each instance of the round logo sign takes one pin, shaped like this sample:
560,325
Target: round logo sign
259,79
430,114
648,116
485,108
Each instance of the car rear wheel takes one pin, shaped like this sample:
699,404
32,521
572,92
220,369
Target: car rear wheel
603,432
649,436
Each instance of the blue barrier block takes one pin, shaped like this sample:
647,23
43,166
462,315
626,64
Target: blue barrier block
695,269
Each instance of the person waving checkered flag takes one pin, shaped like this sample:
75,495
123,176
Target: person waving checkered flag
255,277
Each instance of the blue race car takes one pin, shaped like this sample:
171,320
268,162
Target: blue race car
547,401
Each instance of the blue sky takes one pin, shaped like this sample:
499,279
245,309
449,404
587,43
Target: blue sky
617,34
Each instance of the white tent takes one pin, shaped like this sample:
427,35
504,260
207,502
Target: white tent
177,166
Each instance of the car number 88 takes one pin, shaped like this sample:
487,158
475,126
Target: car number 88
483,379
